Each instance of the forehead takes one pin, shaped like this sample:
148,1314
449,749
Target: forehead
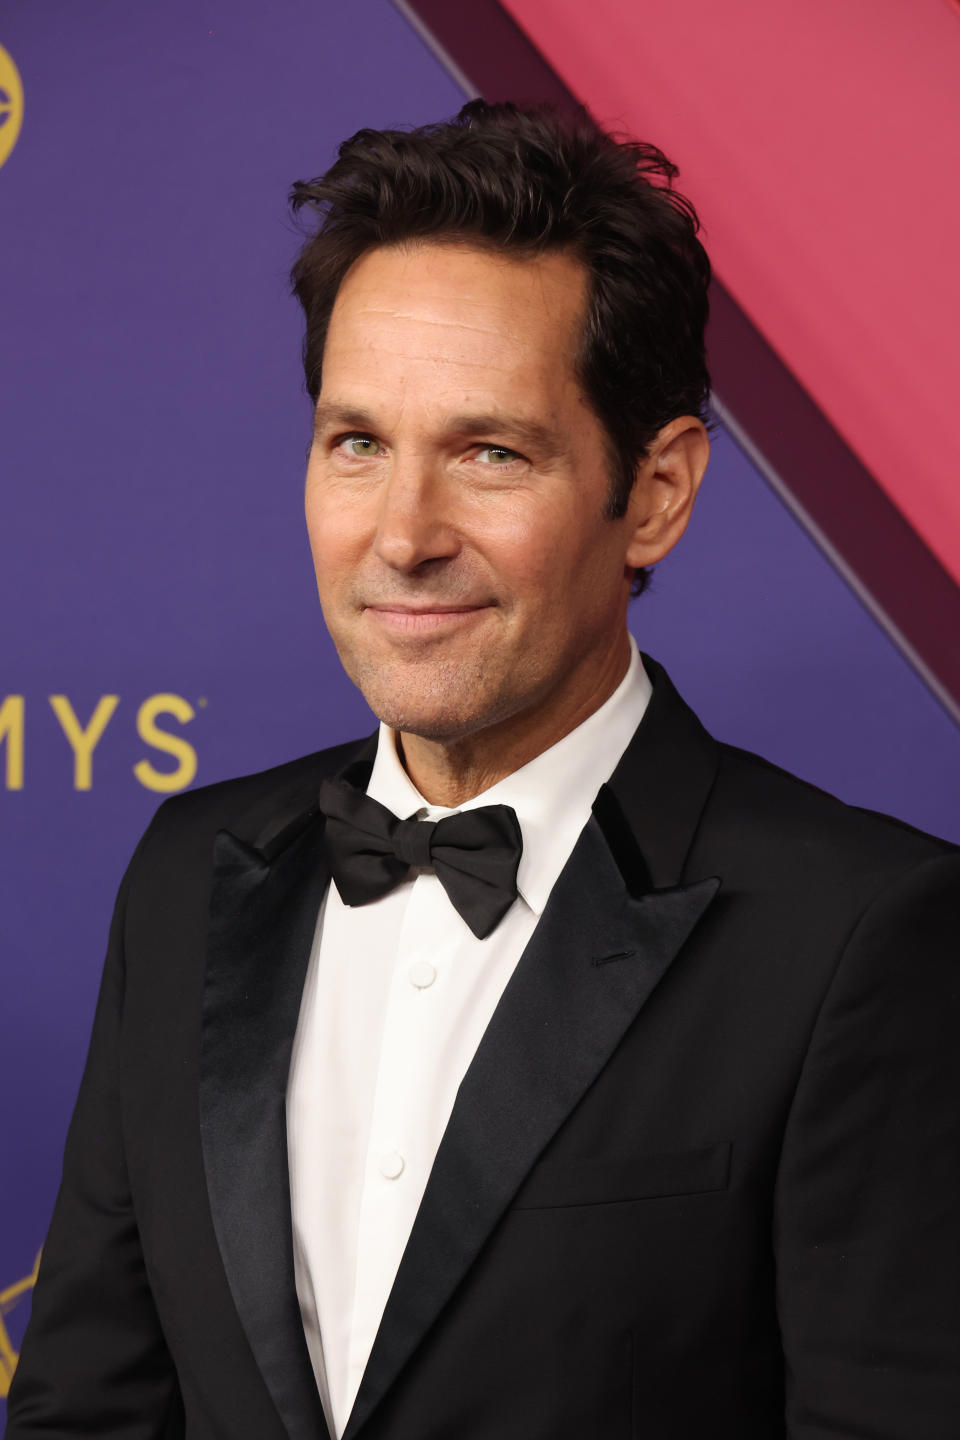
454,318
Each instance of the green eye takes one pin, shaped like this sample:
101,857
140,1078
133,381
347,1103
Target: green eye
361,445
498,454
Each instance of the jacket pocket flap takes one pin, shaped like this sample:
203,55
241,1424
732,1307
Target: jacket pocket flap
634,1177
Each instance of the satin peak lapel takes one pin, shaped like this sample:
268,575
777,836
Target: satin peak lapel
263,914
561,1016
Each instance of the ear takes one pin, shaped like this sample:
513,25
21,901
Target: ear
666,486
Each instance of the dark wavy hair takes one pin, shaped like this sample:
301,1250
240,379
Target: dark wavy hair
527,181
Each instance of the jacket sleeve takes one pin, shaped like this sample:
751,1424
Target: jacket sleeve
867,1215
93,1360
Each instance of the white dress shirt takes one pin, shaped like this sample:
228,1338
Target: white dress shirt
397,996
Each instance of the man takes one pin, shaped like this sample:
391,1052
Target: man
607,1088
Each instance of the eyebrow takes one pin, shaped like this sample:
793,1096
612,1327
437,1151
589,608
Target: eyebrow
325,415
525,432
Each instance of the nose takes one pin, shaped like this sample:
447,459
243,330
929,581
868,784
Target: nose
415,521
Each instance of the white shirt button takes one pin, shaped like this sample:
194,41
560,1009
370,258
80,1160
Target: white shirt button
422,974
391,1165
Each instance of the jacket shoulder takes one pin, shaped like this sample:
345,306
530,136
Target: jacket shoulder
246,804
790,816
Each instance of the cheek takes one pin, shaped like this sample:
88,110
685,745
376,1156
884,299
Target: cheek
525,547
576,583
335,536
551,563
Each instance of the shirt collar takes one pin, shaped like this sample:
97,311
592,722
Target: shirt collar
552,794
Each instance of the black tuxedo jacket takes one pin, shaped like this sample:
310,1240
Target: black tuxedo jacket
701,1178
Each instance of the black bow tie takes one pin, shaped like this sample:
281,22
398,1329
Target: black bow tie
475,853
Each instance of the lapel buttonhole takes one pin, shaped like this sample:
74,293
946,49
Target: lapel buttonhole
617,955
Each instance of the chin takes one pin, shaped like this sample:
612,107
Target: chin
438,701
445,723
441,717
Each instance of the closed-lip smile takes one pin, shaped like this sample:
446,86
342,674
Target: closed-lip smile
421,617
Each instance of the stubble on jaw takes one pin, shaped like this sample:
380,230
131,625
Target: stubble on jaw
434,699
428,694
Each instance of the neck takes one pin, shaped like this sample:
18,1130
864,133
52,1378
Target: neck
448,772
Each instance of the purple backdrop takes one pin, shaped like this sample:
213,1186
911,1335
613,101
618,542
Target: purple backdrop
153,438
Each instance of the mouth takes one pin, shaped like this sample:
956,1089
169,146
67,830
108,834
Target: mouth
423,619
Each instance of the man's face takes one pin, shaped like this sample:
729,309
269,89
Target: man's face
456,490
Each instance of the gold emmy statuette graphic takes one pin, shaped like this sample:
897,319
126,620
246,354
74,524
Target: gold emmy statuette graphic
11,104
9,1298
